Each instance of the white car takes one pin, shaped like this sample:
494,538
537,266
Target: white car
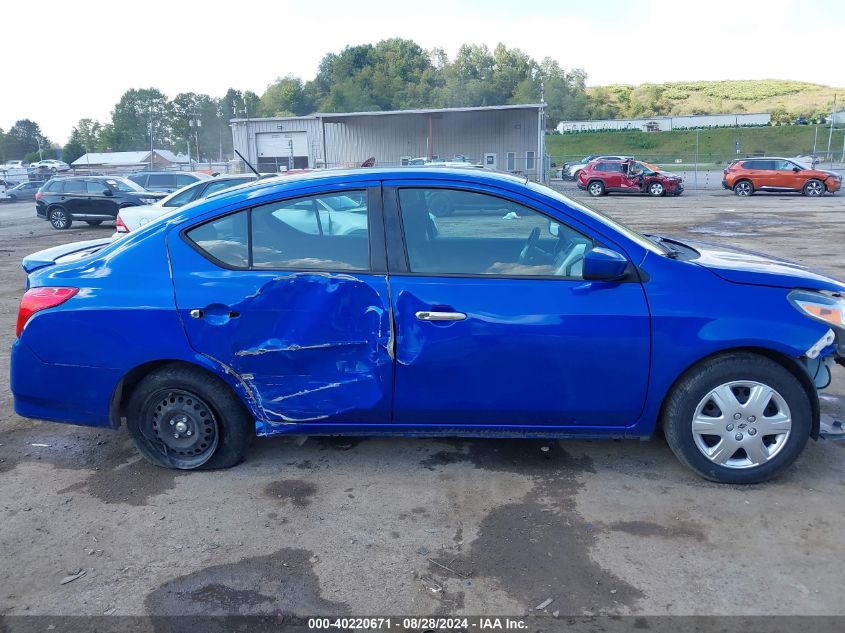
49,163
131,218
13,164
570,172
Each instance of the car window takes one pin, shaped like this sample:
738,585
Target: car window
181,197
309,233
95,187
486,235
617,167
786,165
161,180
182,180
74,186
55,186
224,239
141,179
220,185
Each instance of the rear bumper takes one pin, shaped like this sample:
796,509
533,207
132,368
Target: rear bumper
60,393
582,187
725,184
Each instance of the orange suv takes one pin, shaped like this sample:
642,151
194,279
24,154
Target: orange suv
747,175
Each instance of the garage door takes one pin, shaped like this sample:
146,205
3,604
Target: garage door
282,149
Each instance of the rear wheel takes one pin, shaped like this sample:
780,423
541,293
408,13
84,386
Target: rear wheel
814,188
744,188
656,189
181,417
739,419
59,218
596,188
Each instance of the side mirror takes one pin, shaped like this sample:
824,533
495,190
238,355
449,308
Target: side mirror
603,264
796,169
108,192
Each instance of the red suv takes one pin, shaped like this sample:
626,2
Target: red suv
628,176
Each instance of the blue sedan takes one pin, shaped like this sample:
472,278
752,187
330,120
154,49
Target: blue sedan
519,314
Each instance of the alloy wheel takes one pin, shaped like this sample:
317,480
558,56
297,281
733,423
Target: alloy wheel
58,218
596,189
744,189
741,424
656,189
814,188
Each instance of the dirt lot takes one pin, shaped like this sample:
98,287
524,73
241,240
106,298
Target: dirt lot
411,526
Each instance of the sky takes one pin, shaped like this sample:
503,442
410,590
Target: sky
86,55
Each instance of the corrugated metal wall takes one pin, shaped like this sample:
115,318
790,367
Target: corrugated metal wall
389,138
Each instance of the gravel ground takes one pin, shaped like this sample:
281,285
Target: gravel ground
418,526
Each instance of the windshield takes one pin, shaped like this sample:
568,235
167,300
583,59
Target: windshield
631,234
122,184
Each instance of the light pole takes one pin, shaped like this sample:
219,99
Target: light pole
697,138
194,123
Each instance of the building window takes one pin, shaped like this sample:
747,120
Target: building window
404,161
529,160
511,161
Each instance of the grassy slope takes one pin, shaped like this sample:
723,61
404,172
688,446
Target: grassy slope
715,144
714,97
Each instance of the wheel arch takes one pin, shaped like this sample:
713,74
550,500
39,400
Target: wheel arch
787,362
124,388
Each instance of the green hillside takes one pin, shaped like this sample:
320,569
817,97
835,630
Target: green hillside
785,99
715,145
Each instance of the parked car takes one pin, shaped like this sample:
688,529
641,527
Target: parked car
50,165
131,218
166,181
782,175
552,322
602,177
93,199
24,190
572,171
13,164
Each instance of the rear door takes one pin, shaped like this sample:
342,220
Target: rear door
495,325
75,196
295,304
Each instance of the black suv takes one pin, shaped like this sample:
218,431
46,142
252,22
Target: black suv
93,199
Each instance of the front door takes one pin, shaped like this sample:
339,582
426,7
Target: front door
495,325
291,298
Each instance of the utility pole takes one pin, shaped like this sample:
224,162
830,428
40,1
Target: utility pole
830,135
697,135
152,151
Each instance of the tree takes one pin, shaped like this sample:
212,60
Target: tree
285,97
132,117
73,149
23,138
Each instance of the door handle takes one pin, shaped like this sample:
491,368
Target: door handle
196,314
424,315
200,314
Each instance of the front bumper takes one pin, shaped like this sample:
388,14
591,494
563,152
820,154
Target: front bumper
833,185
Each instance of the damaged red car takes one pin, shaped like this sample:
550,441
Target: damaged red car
602,177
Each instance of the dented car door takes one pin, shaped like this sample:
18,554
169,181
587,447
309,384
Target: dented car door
293,301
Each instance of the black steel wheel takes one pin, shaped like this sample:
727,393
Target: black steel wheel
182,417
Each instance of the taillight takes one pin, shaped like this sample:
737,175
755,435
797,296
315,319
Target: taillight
119,225
36,299
38,195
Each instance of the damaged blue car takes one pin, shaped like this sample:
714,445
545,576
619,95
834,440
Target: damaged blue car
267,309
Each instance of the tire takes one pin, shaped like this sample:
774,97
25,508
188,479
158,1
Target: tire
744,188
814,188
216,428
59,218
691,410
441,205
596,188
94,222
656,189
577,175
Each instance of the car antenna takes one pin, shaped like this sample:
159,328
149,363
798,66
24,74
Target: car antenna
241,156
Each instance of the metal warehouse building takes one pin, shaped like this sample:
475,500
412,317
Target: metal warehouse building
668,123
507,138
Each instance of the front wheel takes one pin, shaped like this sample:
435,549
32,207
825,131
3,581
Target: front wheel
181,417
656,189
59,218
596,188
738,419
743,188
814,188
